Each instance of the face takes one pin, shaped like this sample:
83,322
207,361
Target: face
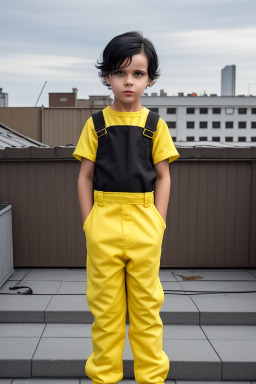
128,84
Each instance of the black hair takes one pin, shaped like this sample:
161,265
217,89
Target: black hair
121,49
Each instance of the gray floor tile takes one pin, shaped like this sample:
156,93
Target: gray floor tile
19,274
67,330
179,309
73,287
192,360
173,285
183,332
77,274
47,381
211,382
61,357
230,332
166,275
238,358
15,356
221,275
251,271
38,287
68,309
6,381
23,308
229,308
228,286
21,329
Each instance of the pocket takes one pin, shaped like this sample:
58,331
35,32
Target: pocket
88,217
159,216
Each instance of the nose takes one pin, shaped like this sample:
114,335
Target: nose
128,79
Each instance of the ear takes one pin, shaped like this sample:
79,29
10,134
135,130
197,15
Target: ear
150,83
107,79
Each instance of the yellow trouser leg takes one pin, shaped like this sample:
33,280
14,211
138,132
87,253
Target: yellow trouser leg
145,297
106,295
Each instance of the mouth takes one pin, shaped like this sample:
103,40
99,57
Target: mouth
128,92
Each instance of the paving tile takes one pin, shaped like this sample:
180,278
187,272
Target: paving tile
252,271
23,308
21,329
61,357
48,381
230,332
220,286
67,330
48,274
238,358
211,382
183,332
19,273
68,309
221,275
166,275
192,360
226,308
6,381
173,285
73,288
38,287
179,309
15,356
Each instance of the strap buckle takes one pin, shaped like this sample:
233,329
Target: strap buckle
99,130
149,130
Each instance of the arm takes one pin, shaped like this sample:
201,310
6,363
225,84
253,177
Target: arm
85,187
162,187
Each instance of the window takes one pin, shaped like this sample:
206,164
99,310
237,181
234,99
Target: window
173,138
216,138
253,138
229,111
203,124
154,110
253,124
190,124
229,138
190,110
190,138
171,124
203,138
241,138
171,111
242,124
229,124
253,111
242,111
216,111
216,124
63,99
203,110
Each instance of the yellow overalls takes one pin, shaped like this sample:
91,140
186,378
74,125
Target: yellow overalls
124,233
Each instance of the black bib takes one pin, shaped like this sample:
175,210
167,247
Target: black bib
124,161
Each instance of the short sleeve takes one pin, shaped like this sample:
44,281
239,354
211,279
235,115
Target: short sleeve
87,144
163,147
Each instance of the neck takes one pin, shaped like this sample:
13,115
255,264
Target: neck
120,107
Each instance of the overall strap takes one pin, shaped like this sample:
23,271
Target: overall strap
151,124
99,124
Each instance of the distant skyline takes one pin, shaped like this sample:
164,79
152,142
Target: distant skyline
60,42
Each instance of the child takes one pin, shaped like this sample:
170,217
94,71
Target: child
124,187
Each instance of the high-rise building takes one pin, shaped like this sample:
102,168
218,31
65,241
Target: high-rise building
3,98
228,80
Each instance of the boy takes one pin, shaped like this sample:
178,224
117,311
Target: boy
124,187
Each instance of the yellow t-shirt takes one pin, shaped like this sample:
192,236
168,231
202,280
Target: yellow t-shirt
163,146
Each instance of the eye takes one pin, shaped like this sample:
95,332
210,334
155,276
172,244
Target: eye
139,74
118,72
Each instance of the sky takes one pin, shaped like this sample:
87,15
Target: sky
60,41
